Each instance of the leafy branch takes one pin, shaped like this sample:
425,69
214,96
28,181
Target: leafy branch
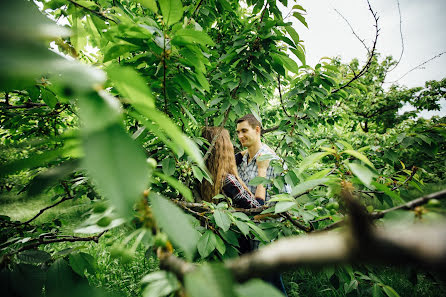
423,245
97,13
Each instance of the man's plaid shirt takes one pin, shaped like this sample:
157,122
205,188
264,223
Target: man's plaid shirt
247,171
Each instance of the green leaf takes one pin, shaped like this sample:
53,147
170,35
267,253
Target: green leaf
49,98
390,291
150,4
220,245
159,283
117,165
168,166
289,63
310,160
257,288
34,256
359,156
308,185
293,34
243,227
259,232
207,243
61,279
300,18
209,280
180,231
230,237
377,291
80,262
259,180
364,174
387,191
283,206
185,191
172,11
241,215
300,54
174,133
197,173
51,177
189,36
132,86
222,219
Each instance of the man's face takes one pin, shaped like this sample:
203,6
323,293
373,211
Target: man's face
247,134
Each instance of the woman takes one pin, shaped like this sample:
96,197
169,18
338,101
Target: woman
223,169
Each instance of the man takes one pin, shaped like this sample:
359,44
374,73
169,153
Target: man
248,166
248,131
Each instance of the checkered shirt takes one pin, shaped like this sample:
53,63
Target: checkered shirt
247,171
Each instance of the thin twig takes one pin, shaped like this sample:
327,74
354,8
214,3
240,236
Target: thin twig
296,224
402,39
353,31
416,67
409,205
371,55
97,13
26,105
280,96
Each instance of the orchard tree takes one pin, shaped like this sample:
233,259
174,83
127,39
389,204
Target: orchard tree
106,100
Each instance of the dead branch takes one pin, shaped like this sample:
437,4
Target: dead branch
42,240
371,54
417,67
402,39
353,31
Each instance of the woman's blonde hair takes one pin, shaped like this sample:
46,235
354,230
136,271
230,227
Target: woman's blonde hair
220,163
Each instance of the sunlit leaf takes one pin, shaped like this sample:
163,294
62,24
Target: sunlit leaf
209,280
172,11
180,231
207,243
185,191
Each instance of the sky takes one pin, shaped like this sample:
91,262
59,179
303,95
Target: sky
423,26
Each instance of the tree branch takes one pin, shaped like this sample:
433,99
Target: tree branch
409,205
354,33
41,241
26,105
423,245
371,55
68,197
97,13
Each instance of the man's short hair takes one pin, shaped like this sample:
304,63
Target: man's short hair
251,119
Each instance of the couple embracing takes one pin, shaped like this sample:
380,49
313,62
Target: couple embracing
232,173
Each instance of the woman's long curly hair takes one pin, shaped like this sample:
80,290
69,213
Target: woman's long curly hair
220,163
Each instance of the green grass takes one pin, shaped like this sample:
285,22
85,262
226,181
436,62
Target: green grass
405,280
19,207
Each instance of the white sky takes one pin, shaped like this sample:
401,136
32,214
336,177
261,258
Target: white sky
423,28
